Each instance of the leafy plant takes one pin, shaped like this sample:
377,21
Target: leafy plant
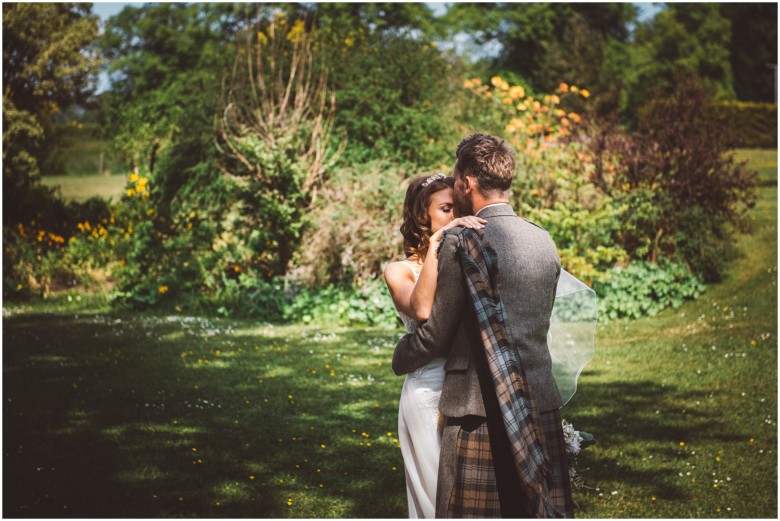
367,304
644,288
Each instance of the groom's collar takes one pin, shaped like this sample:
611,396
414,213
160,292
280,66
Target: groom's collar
495,210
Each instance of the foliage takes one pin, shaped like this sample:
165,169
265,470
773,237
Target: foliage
547,43
366,304
275,136
677,182
752,49
752,125
354,229
397,111
48,65
684,39
40,257
166,65
645,289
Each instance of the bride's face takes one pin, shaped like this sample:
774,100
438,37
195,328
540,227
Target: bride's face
441,209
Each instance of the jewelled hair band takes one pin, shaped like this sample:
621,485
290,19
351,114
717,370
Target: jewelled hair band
434,177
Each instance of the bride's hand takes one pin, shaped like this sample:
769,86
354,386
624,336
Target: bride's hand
469,221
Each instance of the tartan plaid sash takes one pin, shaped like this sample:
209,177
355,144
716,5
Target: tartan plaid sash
519,429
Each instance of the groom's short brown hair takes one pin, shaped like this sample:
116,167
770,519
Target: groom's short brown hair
488,158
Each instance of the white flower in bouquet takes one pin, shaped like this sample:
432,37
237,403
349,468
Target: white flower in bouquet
572,438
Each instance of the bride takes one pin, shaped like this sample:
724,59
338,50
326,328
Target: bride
428,211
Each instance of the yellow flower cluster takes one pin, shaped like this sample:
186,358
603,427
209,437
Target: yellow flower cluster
296,32
533,123
137,185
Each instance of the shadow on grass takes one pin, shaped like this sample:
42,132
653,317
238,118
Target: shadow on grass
647,421
111,417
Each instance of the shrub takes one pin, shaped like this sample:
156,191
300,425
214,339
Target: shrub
354,229
676,183
753,125
250,295
644,288
367,304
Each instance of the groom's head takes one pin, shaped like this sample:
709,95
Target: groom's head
485,164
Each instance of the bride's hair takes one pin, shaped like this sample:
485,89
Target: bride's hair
416,228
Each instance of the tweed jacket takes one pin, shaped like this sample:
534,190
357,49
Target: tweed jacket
528,271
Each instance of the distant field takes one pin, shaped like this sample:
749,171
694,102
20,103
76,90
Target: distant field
81,188
81,153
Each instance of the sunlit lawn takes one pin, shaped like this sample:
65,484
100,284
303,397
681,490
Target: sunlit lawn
115,415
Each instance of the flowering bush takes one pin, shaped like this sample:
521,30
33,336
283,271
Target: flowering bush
553,187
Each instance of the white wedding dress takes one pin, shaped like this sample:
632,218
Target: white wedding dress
418,430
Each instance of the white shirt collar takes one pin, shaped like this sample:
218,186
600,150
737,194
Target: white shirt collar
488,206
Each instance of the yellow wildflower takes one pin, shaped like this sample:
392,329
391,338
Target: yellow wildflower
133,177
563,87
164,289
584,93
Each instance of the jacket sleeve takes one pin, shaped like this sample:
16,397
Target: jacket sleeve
433,338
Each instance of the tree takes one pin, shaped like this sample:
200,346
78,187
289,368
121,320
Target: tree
48,65
688,39
547,43
752,49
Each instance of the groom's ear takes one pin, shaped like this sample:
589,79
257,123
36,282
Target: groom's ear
471,183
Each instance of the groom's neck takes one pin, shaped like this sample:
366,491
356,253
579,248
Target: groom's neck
478,202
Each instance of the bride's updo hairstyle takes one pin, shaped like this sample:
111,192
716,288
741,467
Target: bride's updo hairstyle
416,228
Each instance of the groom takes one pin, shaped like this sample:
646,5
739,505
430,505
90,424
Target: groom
478,471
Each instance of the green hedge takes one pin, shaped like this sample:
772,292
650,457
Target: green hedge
754,124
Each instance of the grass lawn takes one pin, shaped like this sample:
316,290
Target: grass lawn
82,187
120,415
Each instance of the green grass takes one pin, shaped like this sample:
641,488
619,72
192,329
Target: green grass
82,177
81,149
82,187
103,411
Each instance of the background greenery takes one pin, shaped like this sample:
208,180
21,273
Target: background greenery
155,415
172,325
218,215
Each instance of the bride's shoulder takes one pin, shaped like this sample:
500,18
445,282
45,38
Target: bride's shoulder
398,270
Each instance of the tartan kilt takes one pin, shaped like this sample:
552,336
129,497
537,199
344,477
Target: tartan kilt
474,492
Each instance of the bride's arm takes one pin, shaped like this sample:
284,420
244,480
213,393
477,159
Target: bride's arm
421,296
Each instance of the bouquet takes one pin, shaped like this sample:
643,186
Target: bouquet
575,442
